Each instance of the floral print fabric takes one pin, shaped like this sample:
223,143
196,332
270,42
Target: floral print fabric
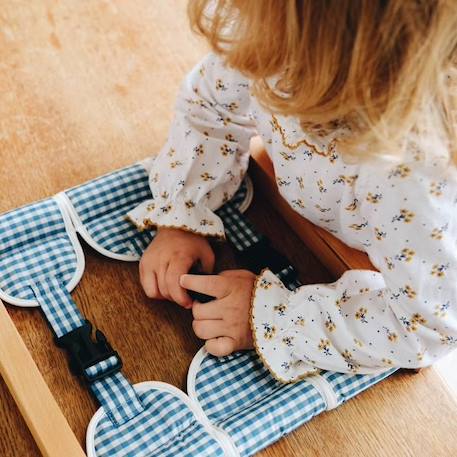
403,215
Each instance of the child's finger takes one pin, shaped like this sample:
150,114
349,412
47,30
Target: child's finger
162,280
175,270
220,346
213,285
210,310
150,285
211,328
148,281
236,273
207,260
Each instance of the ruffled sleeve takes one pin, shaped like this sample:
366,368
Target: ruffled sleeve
206,155
404,315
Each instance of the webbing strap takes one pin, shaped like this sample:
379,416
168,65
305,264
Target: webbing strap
117,396
112,390
255,247
57,305
238,229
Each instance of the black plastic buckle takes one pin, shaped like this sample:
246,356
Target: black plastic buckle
262,255
84,352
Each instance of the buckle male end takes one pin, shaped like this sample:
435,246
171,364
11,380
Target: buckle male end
84,352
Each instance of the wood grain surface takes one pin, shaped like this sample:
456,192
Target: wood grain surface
87,87
37,405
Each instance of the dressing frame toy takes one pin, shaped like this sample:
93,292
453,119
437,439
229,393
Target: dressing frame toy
72,212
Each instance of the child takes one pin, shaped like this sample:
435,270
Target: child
353,100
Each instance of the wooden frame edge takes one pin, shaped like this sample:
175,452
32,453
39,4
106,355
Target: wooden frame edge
332,252
43,417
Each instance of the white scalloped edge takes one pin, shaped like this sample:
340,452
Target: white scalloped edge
191,391
324,388
80,263
249,195
81,229
194,367
74,225
160,386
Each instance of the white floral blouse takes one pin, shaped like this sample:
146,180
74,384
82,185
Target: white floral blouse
404,216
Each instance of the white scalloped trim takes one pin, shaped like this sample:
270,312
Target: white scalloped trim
325,389
81,229
147,164
160,386
249,195
80,261
223,437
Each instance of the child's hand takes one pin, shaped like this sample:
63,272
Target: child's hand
170,255
223,322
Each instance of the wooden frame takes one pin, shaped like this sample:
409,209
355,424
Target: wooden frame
332,252
44,418
42,415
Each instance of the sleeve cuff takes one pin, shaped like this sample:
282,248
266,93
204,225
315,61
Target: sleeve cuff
177,214
274,332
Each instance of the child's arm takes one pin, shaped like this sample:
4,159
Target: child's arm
200,167
403,316
206,155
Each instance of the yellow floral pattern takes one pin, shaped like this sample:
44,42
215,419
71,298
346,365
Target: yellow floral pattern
403,215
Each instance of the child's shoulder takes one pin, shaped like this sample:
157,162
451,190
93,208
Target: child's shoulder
421,158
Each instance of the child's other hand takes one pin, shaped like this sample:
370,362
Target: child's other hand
223,322
170,255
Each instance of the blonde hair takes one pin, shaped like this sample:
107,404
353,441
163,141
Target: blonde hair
384,67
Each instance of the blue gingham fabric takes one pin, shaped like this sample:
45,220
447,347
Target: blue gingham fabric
57,305
238,230
239,395
115,394
34,245
168,427
235,400
100,207
347,385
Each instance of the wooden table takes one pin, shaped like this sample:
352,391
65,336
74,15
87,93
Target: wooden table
87,87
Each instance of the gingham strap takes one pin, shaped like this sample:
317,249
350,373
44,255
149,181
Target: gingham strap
114,393
239,231
242,234
59,308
